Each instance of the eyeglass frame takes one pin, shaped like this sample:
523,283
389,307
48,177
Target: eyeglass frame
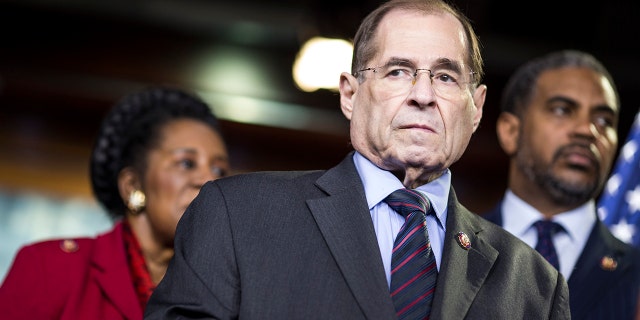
406,64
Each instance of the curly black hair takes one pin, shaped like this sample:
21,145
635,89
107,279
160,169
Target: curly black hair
132,128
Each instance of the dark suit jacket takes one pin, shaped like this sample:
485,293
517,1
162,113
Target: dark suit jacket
91,281
301,245
597,293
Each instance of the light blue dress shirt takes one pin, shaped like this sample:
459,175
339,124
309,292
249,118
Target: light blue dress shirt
378,184
518,218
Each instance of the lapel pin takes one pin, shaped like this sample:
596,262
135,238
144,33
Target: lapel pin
69,245
607,263
463,240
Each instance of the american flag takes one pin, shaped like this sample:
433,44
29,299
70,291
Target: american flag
619,204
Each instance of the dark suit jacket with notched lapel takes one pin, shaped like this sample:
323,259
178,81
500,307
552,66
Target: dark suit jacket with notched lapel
597,293
301,245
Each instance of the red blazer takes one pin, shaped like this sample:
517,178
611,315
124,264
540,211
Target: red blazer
84,278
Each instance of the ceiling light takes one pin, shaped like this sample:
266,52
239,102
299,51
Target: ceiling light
319,63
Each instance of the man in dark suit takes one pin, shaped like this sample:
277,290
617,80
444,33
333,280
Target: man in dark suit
558,126
320,244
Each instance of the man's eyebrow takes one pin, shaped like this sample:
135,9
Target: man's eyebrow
396,61
442,63
561,98
604,108
601,108
446,63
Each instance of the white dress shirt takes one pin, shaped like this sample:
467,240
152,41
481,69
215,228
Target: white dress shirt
518,218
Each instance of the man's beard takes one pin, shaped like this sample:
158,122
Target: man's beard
563,192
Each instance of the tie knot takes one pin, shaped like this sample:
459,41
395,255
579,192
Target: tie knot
547,227
406,201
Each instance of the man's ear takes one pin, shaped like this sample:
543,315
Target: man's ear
479,96
508,131
348,87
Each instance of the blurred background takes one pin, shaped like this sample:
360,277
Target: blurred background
63,63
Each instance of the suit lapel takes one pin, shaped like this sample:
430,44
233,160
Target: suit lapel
462,272
588,279
110,271
344,220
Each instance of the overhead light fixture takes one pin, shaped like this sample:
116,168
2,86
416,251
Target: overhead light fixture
319,63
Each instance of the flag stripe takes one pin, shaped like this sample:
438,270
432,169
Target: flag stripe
619,204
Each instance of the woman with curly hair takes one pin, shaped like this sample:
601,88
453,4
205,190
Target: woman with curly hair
153,152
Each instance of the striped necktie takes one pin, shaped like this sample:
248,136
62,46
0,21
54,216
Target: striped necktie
413,265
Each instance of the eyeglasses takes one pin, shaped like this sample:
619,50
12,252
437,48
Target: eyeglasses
446,80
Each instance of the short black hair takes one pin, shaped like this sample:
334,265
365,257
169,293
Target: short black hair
518,91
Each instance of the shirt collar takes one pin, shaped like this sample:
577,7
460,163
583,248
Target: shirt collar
577,222
379,183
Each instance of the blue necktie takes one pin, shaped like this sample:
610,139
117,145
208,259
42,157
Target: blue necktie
413,265
546,230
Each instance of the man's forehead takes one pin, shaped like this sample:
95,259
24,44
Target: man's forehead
422,38
582,79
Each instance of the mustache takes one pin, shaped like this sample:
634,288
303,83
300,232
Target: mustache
580,148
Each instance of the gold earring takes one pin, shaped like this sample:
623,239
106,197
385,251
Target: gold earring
136,201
